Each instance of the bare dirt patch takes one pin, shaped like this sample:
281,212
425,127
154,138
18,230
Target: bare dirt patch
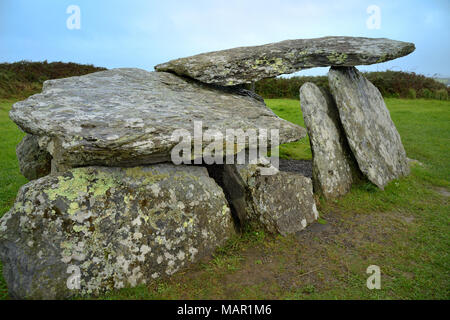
442,191
315,259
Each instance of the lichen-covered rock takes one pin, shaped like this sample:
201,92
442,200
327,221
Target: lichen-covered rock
127,117
34,162
332,160
117,227
281,203
248,64
371,134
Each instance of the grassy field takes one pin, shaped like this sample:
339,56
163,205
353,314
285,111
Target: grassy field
404,229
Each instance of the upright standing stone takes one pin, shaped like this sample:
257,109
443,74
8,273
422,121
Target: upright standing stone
371,134
332,161
34,161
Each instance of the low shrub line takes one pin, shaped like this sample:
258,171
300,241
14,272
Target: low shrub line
392,84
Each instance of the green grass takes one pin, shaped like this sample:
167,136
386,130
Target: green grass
422,249
10,177
404,229
290,110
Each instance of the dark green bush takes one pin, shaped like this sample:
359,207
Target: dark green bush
287,87
427,93
390,83
24,78
441,94
412,94
21,79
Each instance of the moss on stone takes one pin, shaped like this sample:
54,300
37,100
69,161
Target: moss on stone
337,58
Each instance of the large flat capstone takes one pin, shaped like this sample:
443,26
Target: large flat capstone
370,132
333,162
126,117
110,227
248,64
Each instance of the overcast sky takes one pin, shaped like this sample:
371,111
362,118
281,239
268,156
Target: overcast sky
143,33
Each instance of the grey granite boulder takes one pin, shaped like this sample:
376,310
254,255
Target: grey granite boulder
281,203
370,132
34,162
248,64
127,117
113,227
332,159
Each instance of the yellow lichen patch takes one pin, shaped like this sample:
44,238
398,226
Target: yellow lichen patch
147,176
69,188
337,58
28,207
73,208
225,209
80,228
383,58
276,63
83,181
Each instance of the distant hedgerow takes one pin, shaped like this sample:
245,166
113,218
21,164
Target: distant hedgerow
441,94
394,84
24,78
